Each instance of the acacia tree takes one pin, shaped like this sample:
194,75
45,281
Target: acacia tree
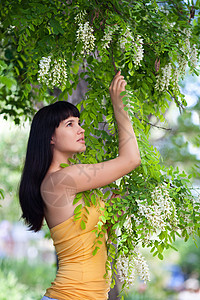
52,44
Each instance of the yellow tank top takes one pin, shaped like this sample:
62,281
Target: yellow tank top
80,274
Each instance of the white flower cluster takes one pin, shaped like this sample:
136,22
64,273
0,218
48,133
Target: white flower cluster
182,65
52,72
189,53
84,34
80,16
136,44
193,56
166,76
169,75
163,79
141,266
108,34
186,218
139,51
186,214
130,265
175,79
160,213
128,225
125,269
126,38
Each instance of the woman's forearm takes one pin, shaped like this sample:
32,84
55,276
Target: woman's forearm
128,147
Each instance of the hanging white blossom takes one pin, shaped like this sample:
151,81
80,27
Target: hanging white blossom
163,78
128,225
130,265
108,34
160,213
84,34
193,56
125,38
52,73
182,62
80,16
186,53
139,51
136,44
125,269
175,79
141,266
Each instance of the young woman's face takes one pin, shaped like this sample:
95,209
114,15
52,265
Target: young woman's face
68,137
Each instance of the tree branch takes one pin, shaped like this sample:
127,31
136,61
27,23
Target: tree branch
153,125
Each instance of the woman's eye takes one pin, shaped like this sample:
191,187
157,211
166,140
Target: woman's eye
69,124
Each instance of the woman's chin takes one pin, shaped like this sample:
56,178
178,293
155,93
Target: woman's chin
82,149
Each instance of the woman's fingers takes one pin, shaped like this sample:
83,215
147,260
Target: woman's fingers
116,77
123,84
117,82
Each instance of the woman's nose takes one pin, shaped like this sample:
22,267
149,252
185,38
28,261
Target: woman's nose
81,130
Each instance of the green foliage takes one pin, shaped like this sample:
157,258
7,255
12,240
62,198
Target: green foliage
148,37
12,289
189,256
1,194
21,280
12,152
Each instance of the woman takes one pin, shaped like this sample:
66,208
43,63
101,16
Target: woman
47,191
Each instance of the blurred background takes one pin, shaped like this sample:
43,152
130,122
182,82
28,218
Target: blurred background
28,261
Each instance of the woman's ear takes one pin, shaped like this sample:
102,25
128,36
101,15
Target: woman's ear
52,141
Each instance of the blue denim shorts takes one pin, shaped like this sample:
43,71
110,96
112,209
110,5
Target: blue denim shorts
47,298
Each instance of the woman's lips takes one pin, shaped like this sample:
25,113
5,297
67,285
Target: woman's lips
81,140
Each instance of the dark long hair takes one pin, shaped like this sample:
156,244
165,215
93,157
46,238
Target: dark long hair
38,159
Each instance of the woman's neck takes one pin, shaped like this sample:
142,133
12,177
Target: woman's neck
57,161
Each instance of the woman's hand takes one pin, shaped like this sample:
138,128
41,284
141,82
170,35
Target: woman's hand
117,86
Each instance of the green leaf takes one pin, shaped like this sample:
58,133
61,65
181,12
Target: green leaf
20,63
100,224
9,82
103,219
123,93
76,218
130,65
87,202
77,198
106,195
95,250
19,48
93,199
78,208
56,27
160,248
63,165
1,194
83,225
90,59
149,79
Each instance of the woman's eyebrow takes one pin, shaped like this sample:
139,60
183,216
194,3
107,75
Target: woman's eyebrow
71,120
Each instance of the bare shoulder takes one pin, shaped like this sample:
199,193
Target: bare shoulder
58,189
58,180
